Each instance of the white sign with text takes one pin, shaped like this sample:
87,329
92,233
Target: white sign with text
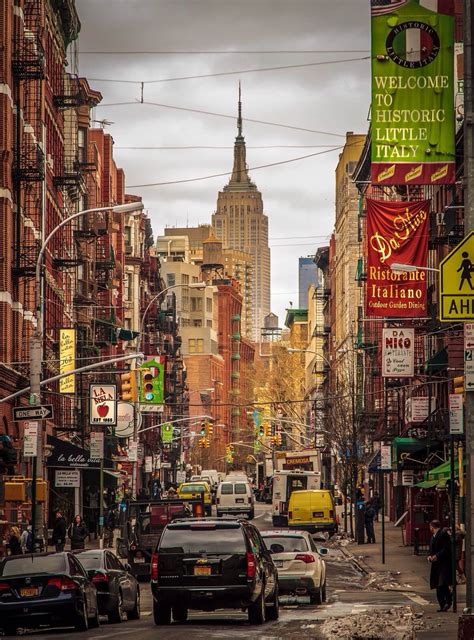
398,353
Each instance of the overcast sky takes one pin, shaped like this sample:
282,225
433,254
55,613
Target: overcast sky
298,197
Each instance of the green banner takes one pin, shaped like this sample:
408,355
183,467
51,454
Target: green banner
413,123
166,432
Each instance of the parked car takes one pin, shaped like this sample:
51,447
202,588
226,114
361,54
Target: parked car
194,490
46,589
301,568
312,510
235,497
118,592
209,564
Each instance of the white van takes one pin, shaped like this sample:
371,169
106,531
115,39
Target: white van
235,497
212,475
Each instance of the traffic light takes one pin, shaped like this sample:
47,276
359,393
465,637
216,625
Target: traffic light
268,430
278,438
152,379
261,431
202,442
203,428
210,429
458,384
207,444
128,386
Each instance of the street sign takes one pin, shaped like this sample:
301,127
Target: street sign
456,290
385,457
151,408
42,412
456,414
468,370
30,440
97,445
469,335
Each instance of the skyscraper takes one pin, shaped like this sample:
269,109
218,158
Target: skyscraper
240,223
307,275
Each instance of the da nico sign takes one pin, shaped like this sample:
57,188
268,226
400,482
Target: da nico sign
398,353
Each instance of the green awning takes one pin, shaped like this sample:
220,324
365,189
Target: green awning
426,484
406,445
442,473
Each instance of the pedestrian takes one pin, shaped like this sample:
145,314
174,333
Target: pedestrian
369,516
459,537
59,532
14,543
377,504
441,570
8,457
110,524
26,539
78,533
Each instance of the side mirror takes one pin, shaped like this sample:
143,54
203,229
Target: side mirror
323,551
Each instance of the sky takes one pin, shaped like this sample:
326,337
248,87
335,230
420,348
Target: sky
329,98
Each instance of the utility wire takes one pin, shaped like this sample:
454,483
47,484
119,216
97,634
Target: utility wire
230,73
187,148
228,173
225,52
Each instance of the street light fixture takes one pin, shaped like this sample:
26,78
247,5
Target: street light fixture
410,268
36,342
316,353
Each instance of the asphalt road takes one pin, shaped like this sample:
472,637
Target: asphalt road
345,596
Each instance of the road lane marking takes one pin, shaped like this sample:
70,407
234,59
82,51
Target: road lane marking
417,599
112,635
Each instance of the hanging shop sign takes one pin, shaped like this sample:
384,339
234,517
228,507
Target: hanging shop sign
397,232
398,353
103,404
417,409
408,478
456,286
133,451
148,464
167,432
67,359
385,457
456,413
413,120
126,420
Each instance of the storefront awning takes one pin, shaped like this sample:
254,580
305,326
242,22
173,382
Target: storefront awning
402,446
442,473
427,484
66,455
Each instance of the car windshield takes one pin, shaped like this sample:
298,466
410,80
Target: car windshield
29,565
289,543
227,489
240,487
192,488
91,560
220,540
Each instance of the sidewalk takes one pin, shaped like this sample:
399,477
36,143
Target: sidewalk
412,574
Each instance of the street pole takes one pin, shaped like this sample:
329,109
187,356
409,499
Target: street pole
101,504
453,519
382,512
469,226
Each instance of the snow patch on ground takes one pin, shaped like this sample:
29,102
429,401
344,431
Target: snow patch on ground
396,623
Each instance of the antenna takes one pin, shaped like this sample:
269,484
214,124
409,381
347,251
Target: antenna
239,119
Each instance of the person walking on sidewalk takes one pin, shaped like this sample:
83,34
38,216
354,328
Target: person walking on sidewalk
377,504
440,558
110,524
78,533
59,532
369,522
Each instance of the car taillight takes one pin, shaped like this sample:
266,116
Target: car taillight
4,586
305,557
63,584
249,500
251,566
154,567
290,514
100,577
218,500
331,513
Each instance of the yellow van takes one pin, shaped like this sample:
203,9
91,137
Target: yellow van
312,510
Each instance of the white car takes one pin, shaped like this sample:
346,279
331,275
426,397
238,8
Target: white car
301,568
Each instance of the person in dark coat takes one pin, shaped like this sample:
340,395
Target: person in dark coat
8,457
78,533
59,532
14,542
377,504
441,570
369,522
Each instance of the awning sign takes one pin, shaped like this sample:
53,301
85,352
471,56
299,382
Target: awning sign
398,353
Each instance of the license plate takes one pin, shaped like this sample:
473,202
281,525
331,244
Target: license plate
240,501
278,564
202,571
28,592
139,560
318,514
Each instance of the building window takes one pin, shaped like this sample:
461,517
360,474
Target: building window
209,324
196,304
184,278
200,345
197,323
209,305
81,145
128,287
171,279
192,345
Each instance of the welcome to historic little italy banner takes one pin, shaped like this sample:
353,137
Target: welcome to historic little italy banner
396,232
413,123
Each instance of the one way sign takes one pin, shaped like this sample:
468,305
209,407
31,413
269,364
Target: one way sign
33,413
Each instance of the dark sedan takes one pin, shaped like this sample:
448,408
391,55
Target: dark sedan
118,592
46,589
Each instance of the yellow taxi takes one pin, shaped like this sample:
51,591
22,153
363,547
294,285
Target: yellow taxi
194,491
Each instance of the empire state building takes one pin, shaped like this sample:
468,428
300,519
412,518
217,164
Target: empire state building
241,225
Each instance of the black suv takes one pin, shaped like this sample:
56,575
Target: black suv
209,564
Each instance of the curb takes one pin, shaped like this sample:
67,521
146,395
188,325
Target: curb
360,564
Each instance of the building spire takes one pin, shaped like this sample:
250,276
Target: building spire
239,119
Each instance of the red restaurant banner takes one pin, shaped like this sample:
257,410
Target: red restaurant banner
396,232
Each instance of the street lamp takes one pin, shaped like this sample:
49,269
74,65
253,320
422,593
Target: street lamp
36,342
410,268
316,353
